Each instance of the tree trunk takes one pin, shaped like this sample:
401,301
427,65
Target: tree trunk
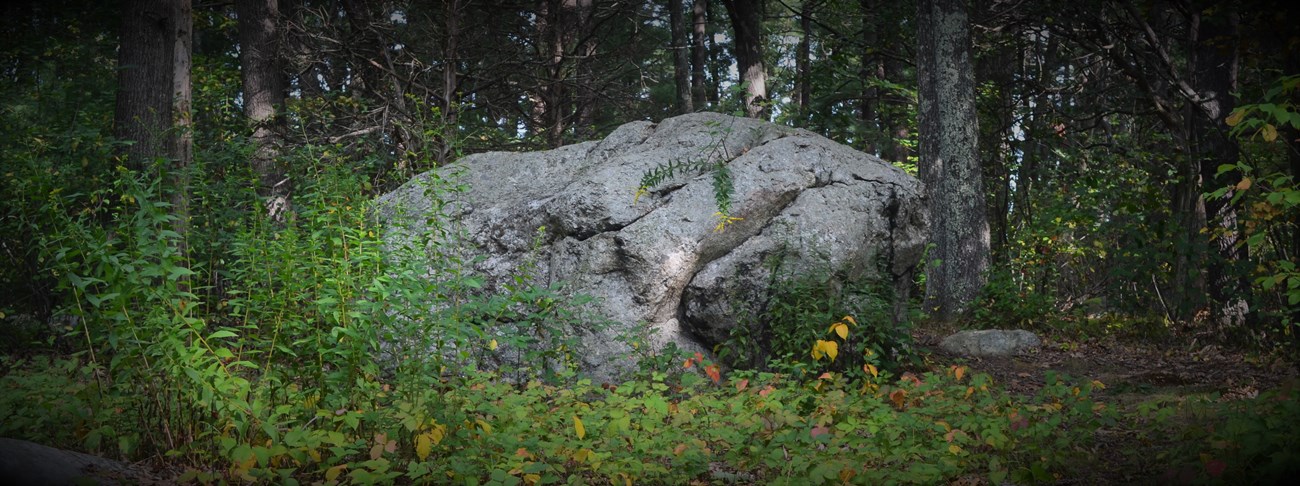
1215,78
871,67
950,166
143,111
584,82
699,85
681,58
450,79
263,83
803,64
746,24
182,99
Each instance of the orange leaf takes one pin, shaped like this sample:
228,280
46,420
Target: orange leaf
677,451
688,364
1244,184
714,373
899,397
958,371
741,385
819,431
846,474
766,391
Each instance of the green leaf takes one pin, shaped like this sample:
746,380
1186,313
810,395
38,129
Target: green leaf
224,333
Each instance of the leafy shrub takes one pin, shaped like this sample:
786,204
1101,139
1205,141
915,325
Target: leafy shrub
797,309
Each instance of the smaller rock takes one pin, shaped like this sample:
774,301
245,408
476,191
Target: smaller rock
990,343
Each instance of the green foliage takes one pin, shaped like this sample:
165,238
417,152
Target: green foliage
751,427
1217,439
1270,198
714,159
796,312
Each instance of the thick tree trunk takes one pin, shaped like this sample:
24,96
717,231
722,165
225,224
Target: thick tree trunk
746,22
143,111
950,166
699,53
681,58
259,65
1215,78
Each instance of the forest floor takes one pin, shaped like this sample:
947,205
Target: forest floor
1135,373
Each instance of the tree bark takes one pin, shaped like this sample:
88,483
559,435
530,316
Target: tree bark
950,166
264,92
872,67
1215,78
699,53
746,23
182,99
143,111
681,58
803,63
450,80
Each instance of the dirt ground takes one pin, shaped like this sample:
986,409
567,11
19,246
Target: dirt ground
1133,372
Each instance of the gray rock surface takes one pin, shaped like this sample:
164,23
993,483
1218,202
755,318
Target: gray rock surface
658,266
990,343
28,463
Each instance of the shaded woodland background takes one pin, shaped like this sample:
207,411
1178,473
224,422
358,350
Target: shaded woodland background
1113,180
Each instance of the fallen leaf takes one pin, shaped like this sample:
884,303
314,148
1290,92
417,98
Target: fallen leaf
899,397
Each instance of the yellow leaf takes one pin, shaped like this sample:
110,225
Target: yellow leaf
578,428
582,455
841,329
870,368
849,319
492,345
423,446
437,433
954,448
487,428
1235,118
1269,132
832,349
532,478
817,350
1098,385
1244,184
333,473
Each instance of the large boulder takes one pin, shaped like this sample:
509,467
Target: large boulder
658,265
